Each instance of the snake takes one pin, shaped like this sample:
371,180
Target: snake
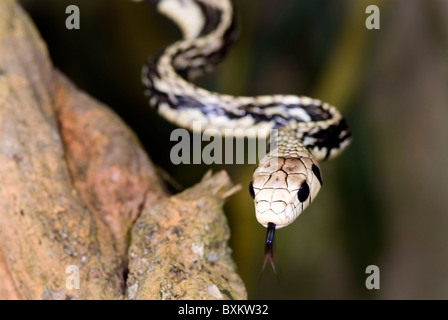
288,178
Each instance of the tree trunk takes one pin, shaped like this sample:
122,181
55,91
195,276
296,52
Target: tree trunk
80,200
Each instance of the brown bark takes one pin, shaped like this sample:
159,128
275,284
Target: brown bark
75,181
182,241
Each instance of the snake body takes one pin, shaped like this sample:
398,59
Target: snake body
288,178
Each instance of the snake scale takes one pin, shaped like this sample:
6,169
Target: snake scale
288,178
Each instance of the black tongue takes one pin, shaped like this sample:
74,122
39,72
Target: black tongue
269,247
270,232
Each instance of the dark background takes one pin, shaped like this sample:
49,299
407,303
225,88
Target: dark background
384,201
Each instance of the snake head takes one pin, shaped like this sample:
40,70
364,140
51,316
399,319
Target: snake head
283,187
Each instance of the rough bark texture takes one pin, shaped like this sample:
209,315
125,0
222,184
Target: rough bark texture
192,222
75,181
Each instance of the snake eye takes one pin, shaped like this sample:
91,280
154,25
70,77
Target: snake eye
304,192
251,190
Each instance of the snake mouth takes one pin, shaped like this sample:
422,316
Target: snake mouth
269,246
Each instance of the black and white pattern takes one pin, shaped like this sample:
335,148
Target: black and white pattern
288,178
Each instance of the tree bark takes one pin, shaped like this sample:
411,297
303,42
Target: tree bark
77,189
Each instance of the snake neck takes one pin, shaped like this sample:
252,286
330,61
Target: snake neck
209,29
288,143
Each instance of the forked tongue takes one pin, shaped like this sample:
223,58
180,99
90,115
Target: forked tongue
269,248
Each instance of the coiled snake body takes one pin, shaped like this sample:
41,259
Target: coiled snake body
288,178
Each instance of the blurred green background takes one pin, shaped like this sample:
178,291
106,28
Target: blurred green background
384,201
